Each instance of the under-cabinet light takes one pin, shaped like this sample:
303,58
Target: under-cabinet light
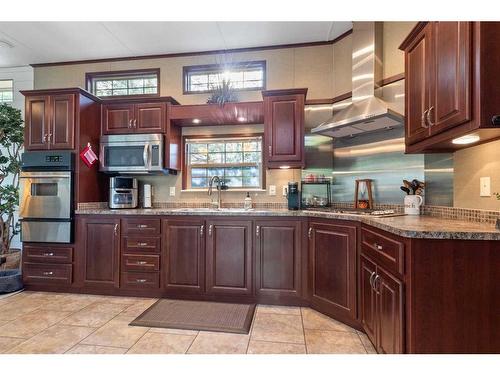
466,139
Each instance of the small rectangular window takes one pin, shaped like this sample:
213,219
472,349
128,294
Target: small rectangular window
250,75
6,90
124,83
238,161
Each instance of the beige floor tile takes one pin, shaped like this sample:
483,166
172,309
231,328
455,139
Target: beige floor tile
95,349
161,343
287,310
315,320
333,342
32,323
278,328
367,343
126,300
54,340
116,333
265,347
174,331
70,302
219,343
2,322
7,343
94,315
18,308
138,308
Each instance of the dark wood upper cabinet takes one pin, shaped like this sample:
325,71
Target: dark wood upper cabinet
150,117
332,262
229,256
184,252
278,258
450,83
117,118
284,127
62,124
99,253
37,120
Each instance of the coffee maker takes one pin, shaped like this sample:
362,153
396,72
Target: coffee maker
293,196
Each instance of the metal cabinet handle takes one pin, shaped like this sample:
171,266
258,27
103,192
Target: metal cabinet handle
257,230
116,230
424,119
135,123
378,247
129,123
48,254
49,137
202,228
141,280
309,233
142,244
270,151
48,273
141,262
428,117
142,226
375,284
44,139
371,278
210,230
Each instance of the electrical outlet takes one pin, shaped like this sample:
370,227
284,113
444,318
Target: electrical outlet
272,190
285,190
172,191
485,187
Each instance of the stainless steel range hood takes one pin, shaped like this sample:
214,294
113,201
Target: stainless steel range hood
367,113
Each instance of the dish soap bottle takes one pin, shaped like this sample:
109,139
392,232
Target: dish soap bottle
247,205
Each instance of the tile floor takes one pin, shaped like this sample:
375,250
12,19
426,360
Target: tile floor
36,322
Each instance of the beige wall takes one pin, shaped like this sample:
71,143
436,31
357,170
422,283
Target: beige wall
471,164
394,34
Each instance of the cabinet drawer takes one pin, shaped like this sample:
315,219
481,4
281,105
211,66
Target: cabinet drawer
47,254
47,273
145,263
140,280
141,244
148,227
386,250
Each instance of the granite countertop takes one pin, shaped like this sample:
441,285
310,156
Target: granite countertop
405,226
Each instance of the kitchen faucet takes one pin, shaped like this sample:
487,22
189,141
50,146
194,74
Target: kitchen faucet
220,186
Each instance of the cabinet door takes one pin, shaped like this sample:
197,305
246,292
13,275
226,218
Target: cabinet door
278,255
184,251
62,122
333,268
389,313
150,118
284,130
117,118
418,77
451,101
367,297
37,123
99,254
229,257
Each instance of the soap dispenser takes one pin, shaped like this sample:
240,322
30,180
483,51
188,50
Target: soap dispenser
248,202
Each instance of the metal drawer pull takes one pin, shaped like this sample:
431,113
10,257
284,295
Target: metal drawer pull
424,119
116,229
141,280
428,117
141,226
257,231
141,262
135,123
142,244
377,246
375,284
309,233
371,279
270,151
130,123
48,273
201,230
48,254
210,230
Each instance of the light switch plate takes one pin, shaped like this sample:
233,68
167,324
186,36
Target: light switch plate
284,189
172,191
485,186
272,189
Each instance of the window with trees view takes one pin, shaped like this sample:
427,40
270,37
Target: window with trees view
250,75
236,160
124,83
6,91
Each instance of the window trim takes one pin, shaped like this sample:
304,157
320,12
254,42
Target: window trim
202,68
13,90
90,76
184,161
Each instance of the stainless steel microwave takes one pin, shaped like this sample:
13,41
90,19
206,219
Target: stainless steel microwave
131,153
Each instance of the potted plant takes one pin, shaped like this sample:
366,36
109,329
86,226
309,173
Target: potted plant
11,143
223,93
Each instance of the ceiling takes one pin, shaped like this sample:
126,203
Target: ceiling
23,43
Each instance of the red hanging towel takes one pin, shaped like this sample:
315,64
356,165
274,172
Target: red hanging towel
88,155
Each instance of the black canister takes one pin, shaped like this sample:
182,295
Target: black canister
293,196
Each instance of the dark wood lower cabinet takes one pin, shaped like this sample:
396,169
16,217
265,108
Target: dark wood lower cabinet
229,257
367,297
332,268
184,252
278,265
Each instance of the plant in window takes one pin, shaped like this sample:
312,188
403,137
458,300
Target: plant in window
223,93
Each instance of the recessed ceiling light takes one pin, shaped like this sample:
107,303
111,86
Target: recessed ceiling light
241,119
5,44
196,121
466,139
